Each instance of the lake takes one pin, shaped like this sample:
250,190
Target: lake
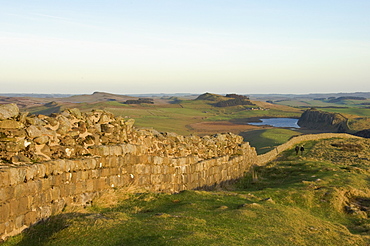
277,122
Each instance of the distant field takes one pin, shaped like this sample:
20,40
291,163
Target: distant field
266,140
200,117
179,117
323,103
350,111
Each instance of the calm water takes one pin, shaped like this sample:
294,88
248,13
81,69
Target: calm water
278,122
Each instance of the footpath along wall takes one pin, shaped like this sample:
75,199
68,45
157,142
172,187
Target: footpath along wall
271,155
49,162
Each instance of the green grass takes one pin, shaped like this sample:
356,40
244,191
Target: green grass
295,200
178,117
174,117
350,111
323,103
266,140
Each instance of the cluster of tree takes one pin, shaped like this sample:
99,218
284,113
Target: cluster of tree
339,99
236,96
233,102
140,101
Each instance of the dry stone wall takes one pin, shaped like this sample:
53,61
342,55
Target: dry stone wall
49,162
271,155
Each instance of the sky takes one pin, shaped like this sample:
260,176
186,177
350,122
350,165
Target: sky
187,46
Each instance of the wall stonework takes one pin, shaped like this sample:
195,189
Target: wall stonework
48,163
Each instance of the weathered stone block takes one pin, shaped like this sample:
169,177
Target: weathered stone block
10,124
30,218
44,212
46,183
40,170
89,185
56,180
2,230
4,177
55,193
57,206
45,197
21,190
85,175
34,187
89,163
41,139
79,187
98,184
65,190
17,175
105,172
19,221
4,212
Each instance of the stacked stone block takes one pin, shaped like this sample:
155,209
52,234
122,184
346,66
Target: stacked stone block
49,162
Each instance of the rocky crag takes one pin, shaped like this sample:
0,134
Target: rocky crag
324,121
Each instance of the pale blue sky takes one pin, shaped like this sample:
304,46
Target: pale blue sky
154,46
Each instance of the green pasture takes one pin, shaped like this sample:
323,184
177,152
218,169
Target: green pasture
178,117
267,139
350,111
294,200
323,103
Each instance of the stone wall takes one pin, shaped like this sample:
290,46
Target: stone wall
49,162
271,155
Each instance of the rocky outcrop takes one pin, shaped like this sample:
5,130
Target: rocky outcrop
8,111
325,121
364,133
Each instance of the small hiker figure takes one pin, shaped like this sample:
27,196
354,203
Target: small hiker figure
296,149
302,149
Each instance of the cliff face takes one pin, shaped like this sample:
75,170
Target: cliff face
320,120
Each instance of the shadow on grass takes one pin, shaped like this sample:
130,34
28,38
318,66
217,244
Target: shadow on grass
282,176
43,231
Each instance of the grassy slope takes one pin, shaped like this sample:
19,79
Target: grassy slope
266,140
297,200
323,103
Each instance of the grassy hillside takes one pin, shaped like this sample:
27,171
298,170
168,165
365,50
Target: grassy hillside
325,102
266,140
320,198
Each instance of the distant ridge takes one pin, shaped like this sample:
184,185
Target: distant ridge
211,97
35,95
